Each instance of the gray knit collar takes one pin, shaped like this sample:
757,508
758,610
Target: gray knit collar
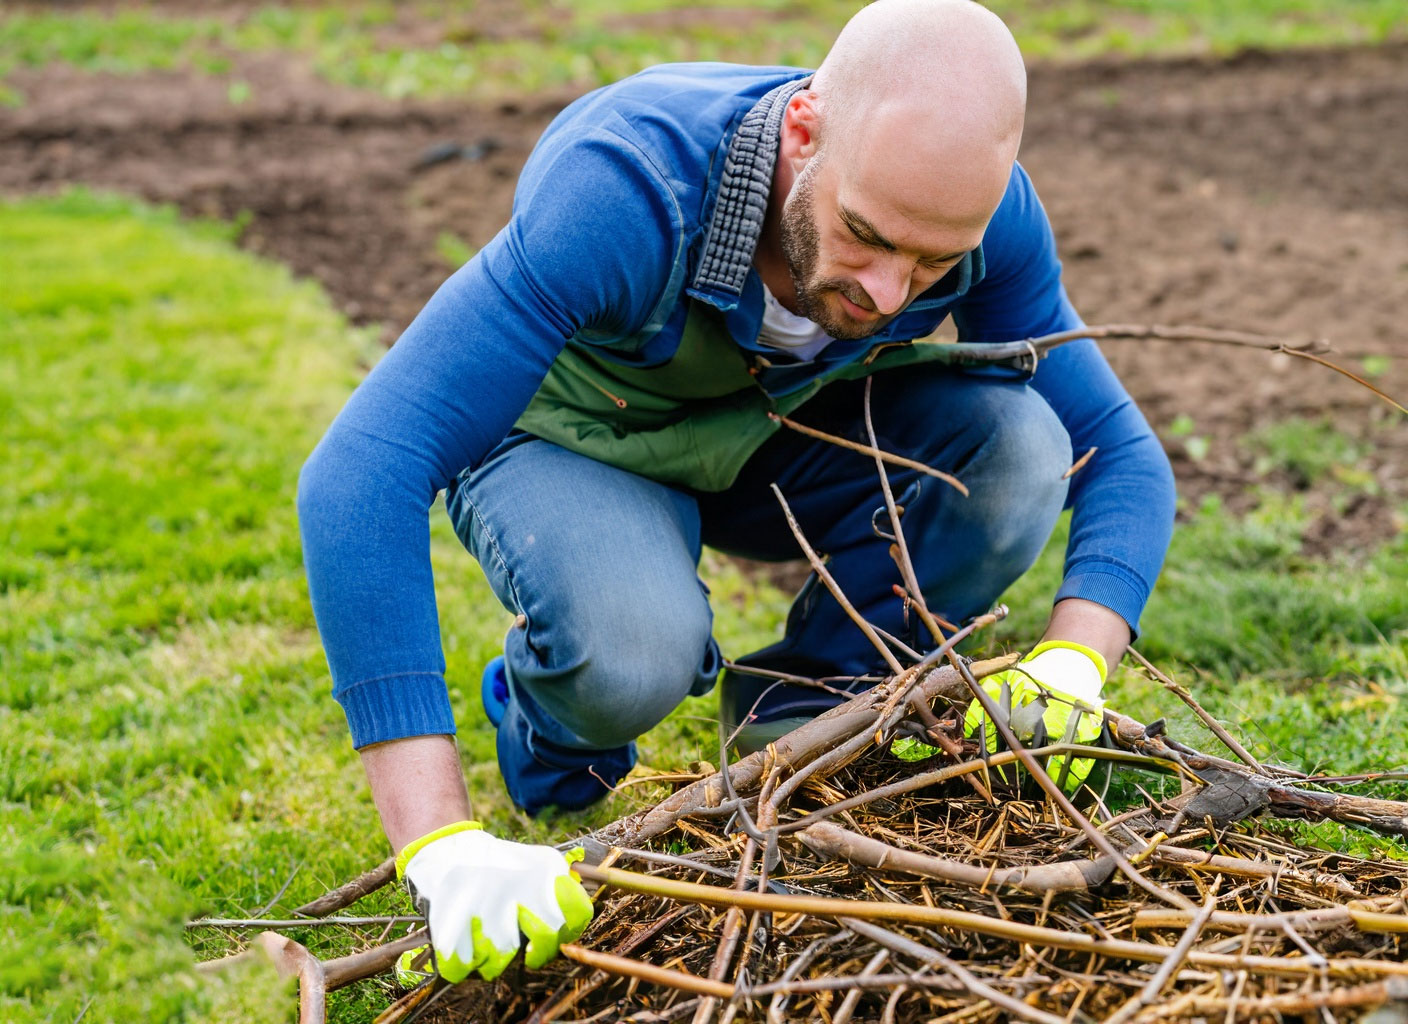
742,202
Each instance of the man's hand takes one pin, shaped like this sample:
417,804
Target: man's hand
1051,696
479,893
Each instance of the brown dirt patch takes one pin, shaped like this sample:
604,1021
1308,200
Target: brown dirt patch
1263,193
331,179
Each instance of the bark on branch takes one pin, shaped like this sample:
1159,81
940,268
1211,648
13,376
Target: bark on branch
1066,876
796,749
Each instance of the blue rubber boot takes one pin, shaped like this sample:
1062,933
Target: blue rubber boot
493,690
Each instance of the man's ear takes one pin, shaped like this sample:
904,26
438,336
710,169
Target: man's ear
800,122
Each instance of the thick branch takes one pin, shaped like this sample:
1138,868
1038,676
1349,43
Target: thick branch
349,893
1067,876
347,969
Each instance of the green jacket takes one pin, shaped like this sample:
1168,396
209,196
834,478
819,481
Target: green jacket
692,421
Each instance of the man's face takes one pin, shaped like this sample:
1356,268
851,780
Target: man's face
862,241
819,297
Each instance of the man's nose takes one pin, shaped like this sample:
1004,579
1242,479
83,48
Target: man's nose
887,284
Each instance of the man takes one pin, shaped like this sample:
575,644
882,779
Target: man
691,249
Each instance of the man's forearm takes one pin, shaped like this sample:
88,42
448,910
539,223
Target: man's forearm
1091,624
417,784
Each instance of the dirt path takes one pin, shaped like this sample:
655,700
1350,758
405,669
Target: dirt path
1266,193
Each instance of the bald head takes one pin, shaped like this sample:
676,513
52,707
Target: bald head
943,72
892,163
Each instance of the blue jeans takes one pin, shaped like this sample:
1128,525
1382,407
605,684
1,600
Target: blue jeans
602,564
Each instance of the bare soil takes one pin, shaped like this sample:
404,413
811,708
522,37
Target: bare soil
1264,193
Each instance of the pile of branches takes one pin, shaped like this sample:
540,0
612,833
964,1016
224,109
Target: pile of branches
823,878
882,892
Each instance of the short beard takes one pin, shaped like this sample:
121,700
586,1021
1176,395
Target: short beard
801,248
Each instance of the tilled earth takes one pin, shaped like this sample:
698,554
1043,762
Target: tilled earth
1265,193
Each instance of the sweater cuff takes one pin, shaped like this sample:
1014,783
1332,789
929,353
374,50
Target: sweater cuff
396,707
1106,584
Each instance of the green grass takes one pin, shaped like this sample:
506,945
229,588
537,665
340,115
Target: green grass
1309,452
167,752
171,748
170,745
583,44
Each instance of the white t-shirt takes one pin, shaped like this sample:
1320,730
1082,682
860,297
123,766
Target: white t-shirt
786,331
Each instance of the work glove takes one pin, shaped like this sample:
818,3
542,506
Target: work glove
1050,696
478,893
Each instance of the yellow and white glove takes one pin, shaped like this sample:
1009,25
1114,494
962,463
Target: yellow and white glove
1050,696
479,893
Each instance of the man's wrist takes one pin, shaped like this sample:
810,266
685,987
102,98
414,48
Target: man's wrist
418,786
1091,625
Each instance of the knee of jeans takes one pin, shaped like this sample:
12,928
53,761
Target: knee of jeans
1017,477
632,677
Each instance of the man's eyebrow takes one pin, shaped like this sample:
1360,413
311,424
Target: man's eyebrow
866,233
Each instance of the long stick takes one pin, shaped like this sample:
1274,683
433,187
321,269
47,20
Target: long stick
963,920
961,353
560,1002
1286,801
966,920
894,460
819,567
347,969
1321,919
613,964
906,563
1218,729
988,353
317,922
1242,867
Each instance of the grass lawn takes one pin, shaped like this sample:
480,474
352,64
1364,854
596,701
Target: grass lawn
587,43
170,748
